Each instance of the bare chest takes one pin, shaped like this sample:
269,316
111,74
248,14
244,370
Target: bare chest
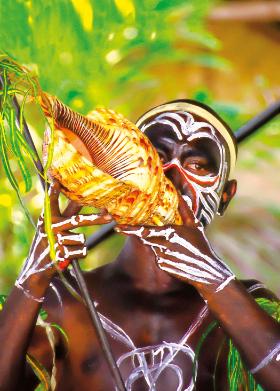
153,351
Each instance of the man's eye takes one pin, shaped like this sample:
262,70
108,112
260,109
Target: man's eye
196,167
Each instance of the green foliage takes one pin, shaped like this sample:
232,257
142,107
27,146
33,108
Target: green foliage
110,53
238,376
18,82
46,382
41,373
88,52
13,145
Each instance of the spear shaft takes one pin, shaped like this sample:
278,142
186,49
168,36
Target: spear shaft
257,122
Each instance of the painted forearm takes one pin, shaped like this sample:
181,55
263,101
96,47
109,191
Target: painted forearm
254,333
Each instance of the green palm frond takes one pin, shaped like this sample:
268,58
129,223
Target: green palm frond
14,147
88,51
18,83
41,373
239,377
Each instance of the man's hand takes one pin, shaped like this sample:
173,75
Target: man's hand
184,251
68,245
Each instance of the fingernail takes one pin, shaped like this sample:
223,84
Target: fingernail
108,217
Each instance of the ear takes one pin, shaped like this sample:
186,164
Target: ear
228,193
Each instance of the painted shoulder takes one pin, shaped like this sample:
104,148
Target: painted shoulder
258,289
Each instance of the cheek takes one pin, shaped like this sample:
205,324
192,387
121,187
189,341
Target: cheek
200,193
205,199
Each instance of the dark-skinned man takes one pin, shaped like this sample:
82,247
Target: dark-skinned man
160,294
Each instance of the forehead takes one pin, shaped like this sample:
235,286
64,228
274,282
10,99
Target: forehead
180,126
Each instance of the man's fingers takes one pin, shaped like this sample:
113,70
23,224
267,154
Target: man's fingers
54,192
153,233
70,239
71,209
70,252
62,224
186,212
131,230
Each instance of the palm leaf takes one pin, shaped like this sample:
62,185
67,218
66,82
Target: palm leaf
40,371
17,150
238,375
61,330
7,168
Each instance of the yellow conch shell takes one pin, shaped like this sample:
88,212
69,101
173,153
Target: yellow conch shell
105,161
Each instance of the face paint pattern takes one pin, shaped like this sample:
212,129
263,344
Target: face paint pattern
205,189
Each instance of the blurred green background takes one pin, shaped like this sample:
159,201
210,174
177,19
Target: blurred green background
130,55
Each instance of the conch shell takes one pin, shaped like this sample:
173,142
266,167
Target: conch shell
105,161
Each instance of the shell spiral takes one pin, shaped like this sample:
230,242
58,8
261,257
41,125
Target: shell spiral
105,161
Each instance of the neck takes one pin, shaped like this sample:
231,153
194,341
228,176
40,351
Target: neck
137,261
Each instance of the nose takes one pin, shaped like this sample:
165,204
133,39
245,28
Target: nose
171,172
174,173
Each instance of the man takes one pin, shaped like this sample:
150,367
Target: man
161,293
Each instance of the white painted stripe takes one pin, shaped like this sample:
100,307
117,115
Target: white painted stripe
225,283
192,271
203,113
191,260
267,359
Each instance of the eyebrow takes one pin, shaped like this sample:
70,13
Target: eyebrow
159,130
210,152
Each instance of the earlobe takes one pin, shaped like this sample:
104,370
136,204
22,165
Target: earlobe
228,193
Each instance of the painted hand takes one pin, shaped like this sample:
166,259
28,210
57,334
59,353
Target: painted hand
68,245
184,252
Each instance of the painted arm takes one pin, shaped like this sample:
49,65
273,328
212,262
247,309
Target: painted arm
19,315
185,253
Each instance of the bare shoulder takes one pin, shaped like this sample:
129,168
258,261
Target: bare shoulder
257,289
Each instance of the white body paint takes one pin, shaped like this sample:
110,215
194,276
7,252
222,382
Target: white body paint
39,263
273,353
149,362
187,261
57,294
80,238
34,265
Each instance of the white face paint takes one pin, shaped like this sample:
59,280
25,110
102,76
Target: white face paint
205,189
